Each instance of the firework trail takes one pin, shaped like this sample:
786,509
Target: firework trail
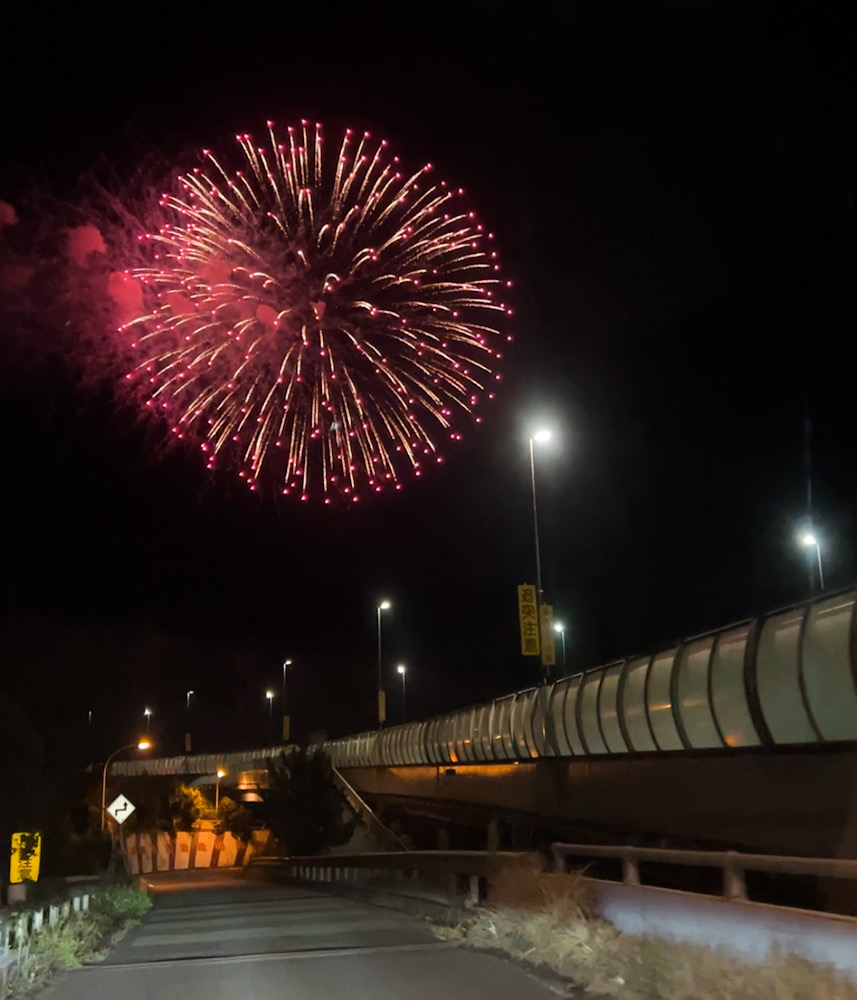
317,321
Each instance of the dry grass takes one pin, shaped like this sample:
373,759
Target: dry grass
547,920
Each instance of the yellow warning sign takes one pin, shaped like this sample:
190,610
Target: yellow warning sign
528,614
25,857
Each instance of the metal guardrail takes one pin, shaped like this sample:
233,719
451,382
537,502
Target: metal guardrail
18,926
732,863
463,872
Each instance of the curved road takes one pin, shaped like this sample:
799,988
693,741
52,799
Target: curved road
216,935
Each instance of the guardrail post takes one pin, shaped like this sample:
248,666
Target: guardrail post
734,882
630,869
472,896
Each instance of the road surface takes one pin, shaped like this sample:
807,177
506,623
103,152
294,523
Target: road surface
215,935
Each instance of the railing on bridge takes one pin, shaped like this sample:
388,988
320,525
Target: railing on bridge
733,864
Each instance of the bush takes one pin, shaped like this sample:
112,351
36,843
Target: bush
116,907
236,819
546,920
303,807
78,938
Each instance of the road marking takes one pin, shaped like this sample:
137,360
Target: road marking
281,956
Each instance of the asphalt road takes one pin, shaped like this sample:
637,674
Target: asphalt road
215,935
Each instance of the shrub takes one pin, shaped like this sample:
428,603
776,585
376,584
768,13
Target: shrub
546,920
236,819
303,807
115,907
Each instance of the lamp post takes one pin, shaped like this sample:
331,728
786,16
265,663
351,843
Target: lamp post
809,540
403,670
560,629
187,735
141,745
220,774
147,715
286,663
540,436
269,697
383,606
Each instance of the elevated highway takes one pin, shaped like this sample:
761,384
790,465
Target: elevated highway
744,736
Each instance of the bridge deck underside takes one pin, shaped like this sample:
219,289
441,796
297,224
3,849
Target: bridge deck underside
790,802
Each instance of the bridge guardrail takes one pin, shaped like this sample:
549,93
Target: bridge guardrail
463,873
18,925
732,863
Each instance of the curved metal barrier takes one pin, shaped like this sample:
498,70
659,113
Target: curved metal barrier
786,678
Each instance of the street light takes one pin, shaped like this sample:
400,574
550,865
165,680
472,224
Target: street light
403,670
187,735
147,714
269,694
142,745
220,774
540,436
286,663
383,606
808,540
560,629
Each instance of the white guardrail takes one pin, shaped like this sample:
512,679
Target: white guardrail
18,926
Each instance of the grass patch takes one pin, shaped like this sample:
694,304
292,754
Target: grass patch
548,921
78,938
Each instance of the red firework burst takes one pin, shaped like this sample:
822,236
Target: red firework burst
320,320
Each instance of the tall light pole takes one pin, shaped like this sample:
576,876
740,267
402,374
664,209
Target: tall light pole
286,663
147,714
220,774
560,629
540,436
187,735
382,708
269,697
403,670
142,745
809,540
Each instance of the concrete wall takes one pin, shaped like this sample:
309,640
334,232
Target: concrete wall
164,852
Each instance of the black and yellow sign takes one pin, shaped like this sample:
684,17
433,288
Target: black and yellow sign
25,857
528,615
548,636
286,721
382,707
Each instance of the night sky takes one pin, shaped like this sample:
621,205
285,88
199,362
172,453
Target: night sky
672,186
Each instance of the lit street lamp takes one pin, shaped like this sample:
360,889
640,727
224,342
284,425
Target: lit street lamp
808,540
147,714
559,628
142,745
188,699
220,774
403,670
383,606
541,436
269,695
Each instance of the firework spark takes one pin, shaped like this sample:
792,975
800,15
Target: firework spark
320,321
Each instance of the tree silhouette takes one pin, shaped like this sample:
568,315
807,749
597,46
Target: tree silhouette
304,809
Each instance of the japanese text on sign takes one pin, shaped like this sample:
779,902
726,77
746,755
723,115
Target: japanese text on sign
528,615
25,857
